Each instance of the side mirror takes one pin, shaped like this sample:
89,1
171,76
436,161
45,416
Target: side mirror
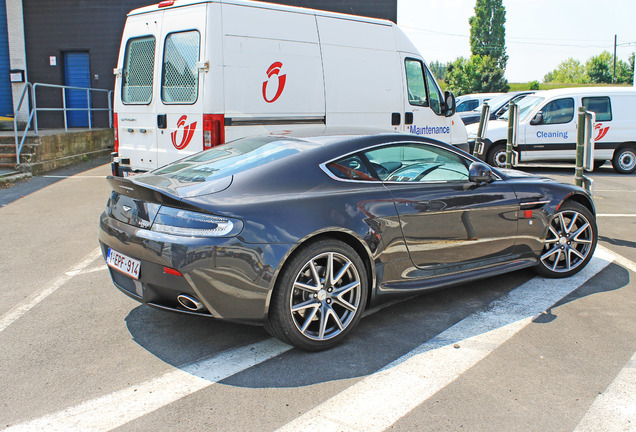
449,104
538,119
479,172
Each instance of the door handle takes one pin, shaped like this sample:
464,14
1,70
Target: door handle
408,118
396,119
162,121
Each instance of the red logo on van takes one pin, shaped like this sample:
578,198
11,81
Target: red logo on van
188,133
602,131
274,69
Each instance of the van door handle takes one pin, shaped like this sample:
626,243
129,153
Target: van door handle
396,119
408,118
162,121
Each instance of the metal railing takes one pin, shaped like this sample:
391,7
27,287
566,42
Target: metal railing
33,114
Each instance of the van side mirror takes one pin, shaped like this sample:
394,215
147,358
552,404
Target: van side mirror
449,104
538,119
479,172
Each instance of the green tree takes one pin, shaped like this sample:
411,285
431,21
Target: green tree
488,31
625,71
533,85
478,74
439,69
599,68
568,71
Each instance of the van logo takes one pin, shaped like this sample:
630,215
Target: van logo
602,131
274,69
188,133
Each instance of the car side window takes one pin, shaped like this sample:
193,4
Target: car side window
468,105
599,105
558,111
415,162
415,82
351,168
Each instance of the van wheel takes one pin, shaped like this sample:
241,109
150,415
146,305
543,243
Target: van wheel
320,296
598,164
624,160
497,156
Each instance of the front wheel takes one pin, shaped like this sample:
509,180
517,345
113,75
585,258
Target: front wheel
570,242
320,296
624,160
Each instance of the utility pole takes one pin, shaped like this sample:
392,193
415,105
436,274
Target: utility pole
614,77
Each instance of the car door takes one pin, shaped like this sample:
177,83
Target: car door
446,220
551,134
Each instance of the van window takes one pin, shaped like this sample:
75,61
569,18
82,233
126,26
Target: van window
599,105
139,68
180,82
434,96
558,111
415,82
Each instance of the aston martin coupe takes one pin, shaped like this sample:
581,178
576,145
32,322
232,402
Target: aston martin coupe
301,233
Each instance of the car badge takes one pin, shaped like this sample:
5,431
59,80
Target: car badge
126,208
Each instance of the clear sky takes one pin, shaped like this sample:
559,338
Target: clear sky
540,34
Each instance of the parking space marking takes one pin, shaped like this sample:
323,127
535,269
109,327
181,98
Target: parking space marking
118,408
616,215
75,176
16,312
381,399
615,408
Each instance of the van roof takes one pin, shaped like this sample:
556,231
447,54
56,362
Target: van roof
576,91
263,5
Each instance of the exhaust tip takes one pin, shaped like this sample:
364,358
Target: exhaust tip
190,303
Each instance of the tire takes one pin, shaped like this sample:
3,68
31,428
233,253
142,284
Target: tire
624,160
311,310
570,242
497,156
598,164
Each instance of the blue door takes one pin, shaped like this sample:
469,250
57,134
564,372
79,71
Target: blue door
77,73
6,95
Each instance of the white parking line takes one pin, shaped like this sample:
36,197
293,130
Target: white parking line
15,313
75,176
616,215
116,409
381,399
615,408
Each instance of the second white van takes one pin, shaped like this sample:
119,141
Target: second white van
547,127
193,74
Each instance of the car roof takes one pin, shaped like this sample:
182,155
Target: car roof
574,91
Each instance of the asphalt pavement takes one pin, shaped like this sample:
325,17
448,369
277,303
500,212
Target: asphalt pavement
511,353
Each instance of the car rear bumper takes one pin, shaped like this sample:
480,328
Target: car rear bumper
232,279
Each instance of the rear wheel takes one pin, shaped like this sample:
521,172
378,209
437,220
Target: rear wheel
320,296
624,160
570,243
497,156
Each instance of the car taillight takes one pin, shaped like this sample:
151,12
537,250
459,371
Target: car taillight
116,133
213,130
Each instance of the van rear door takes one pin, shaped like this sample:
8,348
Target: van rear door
179,78
135,99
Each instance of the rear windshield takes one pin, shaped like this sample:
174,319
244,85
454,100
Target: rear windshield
231,158
139,68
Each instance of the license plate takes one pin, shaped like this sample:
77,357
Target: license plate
123,263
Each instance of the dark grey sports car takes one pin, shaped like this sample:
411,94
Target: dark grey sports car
302,233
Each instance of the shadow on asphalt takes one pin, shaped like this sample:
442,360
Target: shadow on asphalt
20,189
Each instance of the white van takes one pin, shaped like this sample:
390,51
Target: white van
473,101
547,127
193,74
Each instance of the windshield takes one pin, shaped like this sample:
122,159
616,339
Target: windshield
526,106
231,158
496,102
